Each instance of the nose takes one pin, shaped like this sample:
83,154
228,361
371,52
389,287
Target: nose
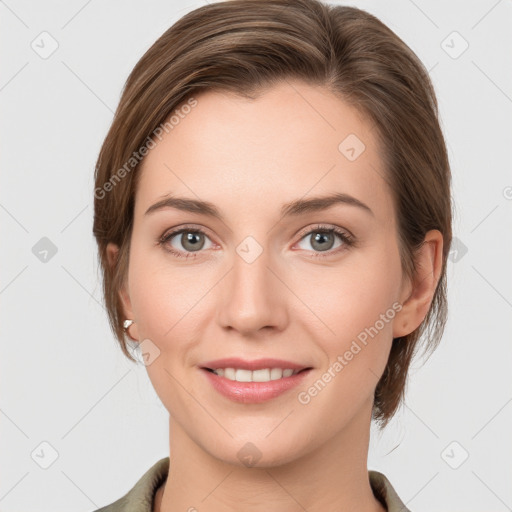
254,298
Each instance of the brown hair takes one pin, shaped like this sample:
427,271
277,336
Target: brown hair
243,46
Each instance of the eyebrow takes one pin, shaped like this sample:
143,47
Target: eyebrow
294,208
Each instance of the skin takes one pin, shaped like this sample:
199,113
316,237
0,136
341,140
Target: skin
248,157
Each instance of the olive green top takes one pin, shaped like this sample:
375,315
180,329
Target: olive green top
140,497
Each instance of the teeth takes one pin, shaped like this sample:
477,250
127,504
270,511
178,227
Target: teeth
262,375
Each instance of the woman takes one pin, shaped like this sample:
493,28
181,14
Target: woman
251,134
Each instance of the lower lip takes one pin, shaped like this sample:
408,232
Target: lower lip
254,392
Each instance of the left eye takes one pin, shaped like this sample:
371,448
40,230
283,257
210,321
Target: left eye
324,239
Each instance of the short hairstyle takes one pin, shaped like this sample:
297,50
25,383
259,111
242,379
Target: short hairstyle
246,46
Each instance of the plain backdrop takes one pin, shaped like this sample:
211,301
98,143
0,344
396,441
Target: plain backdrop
79,423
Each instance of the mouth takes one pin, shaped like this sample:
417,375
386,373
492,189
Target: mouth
259,375
258,385
265,369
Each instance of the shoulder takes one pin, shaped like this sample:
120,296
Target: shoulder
385,493
140,497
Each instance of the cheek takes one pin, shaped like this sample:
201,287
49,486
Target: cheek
357,304
161,294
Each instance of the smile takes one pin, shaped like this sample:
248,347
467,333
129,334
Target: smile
262,375
246,386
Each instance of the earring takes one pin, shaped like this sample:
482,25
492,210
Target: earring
126,325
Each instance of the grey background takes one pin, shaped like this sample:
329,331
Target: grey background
68,394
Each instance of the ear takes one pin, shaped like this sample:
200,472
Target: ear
416,296
124,292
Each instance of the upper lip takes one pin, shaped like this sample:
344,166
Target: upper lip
256,364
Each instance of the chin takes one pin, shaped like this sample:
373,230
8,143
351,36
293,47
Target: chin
256,453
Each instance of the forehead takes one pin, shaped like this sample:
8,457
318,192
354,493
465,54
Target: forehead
291,141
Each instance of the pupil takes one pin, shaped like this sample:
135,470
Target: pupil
321,237
192,239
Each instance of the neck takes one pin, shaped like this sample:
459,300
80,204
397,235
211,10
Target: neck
333,476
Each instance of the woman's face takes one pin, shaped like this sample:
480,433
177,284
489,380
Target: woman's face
263,280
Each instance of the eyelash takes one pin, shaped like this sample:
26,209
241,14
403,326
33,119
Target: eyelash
348,240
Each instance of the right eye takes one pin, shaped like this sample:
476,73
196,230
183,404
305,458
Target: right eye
184,242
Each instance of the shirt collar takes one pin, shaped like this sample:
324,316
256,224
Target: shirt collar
140,497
